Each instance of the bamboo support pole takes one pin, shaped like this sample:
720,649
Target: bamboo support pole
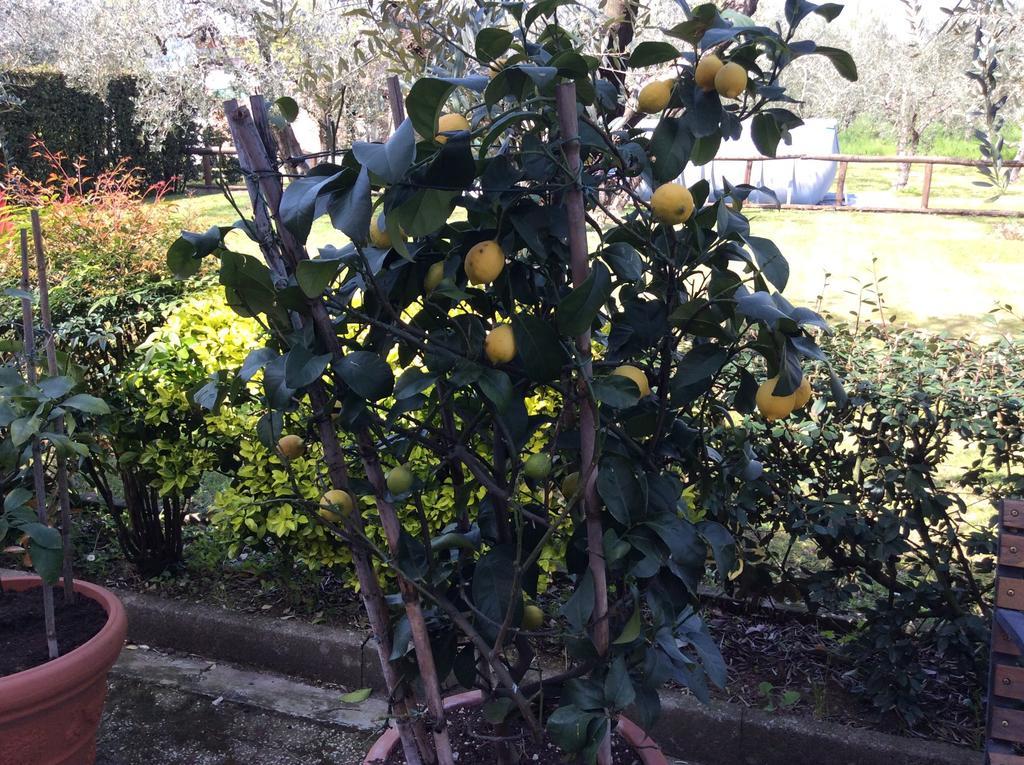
265,191
565,100
38,478
63,496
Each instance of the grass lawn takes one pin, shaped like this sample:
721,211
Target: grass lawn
941,273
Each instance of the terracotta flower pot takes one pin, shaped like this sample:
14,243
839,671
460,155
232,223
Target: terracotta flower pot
49,714
648,751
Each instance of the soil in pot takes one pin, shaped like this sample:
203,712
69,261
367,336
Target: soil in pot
23,627
468,730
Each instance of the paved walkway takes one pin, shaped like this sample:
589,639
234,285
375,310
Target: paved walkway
185,710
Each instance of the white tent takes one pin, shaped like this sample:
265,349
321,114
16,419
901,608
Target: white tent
793,181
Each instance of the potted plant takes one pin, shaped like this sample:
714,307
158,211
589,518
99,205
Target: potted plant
520,377
59,646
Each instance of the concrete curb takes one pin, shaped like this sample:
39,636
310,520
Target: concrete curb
718,734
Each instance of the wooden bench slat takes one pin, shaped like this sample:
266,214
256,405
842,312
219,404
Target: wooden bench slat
1011,625
1008,682
995,758
1010,593
1007,724
1013,513
1011,550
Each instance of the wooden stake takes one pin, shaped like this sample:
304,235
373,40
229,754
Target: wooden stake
565,101
37,453
265,191
395,101
63,496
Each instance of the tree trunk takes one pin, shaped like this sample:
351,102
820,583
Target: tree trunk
909,142
622,14
1018,157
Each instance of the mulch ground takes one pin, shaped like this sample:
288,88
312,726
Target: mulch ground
472,743
777,662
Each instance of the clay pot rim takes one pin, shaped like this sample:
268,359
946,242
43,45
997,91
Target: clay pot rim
38,685
643,745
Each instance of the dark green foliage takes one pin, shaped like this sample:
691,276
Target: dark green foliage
79,124
880,508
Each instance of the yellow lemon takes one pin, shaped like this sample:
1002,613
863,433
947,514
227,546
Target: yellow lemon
571,485
636,375
803,394
731,80
533,617
672,203
537,466
379,237
336,499
450,123
400,480
500,344
291,446
654,96
771,406
434,276
484,262
706,70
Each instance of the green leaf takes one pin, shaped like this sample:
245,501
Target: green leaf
619,488
699,363
350,209
567,726
424,103
248,282
83,402
651,52
766,133
770,260
580,605
315,276
492,591
302,368
624,261
43,535
16,498
389,161
287,107
577,310
423,213
55,387
723,547
492,42
538,346
46,561
497,386
671,145
631,630
705,149
367,374
356,697
616,391
618,687
298,206
841,60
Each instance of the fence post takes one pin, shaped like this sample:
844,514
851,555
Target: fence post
395,102
747,171
207,171
926,190
841,184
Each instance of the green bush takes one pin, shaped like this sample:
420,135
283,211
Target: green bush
881,508
100,131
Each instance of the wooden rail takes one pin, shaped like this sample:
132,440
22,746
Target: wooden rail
844,161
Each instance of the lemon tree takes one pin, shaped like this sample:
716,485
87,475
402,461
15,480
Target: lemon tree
506,278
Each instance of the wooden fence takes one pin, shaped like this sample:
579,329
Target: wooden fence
207,156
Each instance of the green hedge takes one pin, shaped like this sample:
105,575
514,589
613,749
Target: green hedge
80,124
